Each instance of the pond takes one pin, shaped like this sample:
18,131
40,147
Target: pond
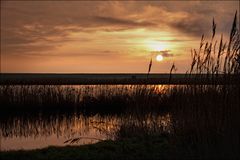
24,124
31,130
37,130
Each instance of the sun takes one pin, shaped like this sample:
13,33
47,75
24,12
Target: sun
159,58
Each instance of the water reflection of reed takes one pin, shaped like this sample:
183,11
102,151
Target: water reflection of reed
72,124
45,124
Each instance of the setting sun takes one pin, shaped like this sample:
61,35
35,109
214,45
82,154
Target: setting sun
159,58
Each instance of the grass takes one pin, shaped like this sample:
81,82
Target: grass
89,99
205,118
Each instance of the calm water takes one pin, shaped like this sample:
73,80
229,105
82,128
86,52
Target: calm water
38,130
31,129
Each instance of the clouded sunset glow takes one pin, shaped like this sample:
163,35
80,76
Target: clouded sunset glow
157,45
105,36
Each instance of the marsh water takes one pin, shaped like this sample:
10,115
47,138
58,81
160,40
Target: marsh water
31,130
38,128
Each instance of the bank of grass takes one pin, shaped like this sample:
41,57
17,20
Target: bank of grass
84,98
205,118
150,147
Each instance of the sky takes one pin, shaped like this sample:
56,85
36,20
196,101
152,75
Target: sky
106,36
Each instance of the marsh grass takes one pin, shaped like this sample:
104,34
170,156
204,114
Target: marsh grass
206,117
86,98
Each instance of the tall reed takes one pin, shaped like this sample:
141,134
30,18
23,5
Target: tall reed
205,118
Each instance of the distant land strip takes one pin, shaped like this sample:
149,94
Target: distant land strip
110,78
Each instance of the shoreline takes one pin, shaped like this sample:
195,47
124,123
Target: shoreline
111,79
152,147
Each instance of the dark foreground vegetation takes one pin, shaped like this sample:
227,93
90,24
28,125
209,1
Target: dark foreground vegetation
204,119
132,148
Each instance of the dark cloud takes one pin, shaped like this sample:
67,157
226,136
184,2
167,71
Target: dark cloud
165,53
192,26
105,54
21,50
195,25
175,40
21,12
24,35
35,38
29,52
27,25
122,22
99,54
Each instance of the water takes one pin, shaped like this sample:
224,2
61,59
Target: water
33,127
39,129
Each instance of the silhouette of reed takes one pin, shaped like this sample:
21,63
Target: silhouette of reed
86,98
205,118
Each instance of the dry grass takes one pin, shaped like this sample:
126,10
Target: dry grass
86,98
206,117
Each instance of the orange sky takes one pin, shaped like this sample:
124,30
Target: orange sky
106,36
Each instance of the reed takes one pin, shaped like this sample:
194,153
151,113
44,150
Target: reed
86,98
206,117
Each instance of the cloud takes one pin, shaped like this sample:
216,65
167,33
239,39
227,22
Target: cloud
122,22
22,50
175,40
30,39
192,26
39,25
92,54
165,53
